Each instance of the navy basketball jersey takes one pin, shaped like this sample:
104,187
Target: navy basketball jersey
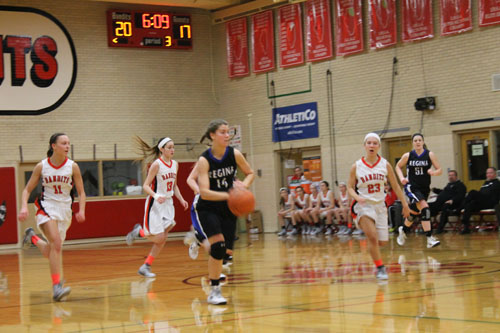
417,168
221,173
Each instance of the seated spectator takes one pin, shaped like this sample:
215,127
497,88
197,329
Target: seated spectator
394,208
301,204
297,178
327,204
313,210
486,198
343,211
287,206
448,199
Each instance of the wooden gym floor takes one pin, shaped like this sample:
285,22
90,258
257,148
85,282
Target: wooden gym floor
275,285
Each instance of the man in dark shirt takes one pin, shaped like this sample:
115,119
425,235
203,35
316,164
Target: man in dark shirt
448,200
486,198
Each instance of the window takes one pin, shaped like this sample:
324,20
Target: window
121,178
90,177
37,191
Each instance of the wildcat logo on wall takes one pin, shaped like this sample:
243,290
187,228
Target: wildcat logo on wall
37,64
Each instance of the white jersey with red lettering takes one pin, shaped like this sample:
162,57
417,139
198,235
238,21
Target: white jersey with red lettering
314,201
301,203
370,181
55,201
344,199
325,199
160,216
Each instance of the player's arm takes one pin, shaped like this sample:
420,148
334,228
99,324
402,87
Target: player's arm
32,183
82,198
177,192
435,163
351,184
192,179
204,183
399,166
395,187
152,172
245,168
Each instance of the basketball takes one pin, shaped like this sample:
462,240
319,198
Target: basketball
241,202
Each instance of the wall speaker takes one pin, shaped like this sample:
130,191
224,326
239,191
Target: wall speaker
425,103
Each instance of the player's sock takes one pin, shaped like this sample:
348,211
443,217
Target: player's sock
141,233
35,239
56,278
149,260
378,263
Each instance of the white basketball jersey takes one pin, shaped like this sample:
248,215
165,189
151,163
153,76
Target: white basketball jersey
57,181
344,200
288,202
371,179
325,199
301,203
314,201
165,178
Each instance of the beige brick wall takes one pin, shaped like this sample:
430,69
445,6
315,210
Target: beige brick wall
456,69
119,92
153,93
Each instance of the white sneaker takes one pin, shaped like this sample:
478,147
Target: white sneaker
216,297
382,273
193,250
357,232
304,230
282,232
60,292
402,237
292,232
145,270
328,231
432,242
189,238
131,236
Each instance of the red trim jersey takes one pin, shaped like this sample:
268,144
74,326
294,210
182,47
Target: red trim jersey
370,179
301,203
57,181
325,200
165,178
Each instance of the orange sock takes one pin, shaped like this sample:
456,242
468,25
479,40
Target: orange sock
141,233
149,260
378,263
56,278
35,239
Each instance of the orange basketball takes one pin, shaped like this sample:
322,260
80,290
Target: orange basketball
241,201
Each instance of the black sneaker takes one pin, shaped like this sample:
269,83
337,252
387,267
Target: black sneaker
28,234
466,231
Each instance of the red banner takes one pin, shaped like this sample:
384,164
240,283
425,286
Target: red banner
237,47
416,20
318,30
383,24
489,12
291,40
349,27
263,42
455,16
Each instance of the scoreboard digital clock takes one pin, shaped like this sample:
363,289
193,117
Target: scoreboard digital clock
149,30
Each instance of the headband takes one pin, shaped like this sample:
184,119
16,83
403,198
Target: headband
372,135
164,142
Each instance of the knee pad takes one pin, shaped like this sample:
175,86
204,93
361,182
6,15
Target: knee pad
218,250
426,214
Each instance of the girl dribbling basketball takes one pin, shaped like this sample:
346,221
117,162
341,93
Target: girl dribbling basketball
53,216
217,168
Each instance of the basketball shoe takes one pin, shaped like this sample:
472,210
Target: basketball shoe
401,237
432,242
131,236
145,270
382,273
59,291
28,234
216,297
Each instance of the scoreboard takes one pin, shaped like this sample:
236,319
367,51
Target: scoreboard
160,30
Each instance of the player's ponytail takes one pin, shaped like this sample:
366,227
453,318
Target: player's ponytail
212,128
53,140
149,153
